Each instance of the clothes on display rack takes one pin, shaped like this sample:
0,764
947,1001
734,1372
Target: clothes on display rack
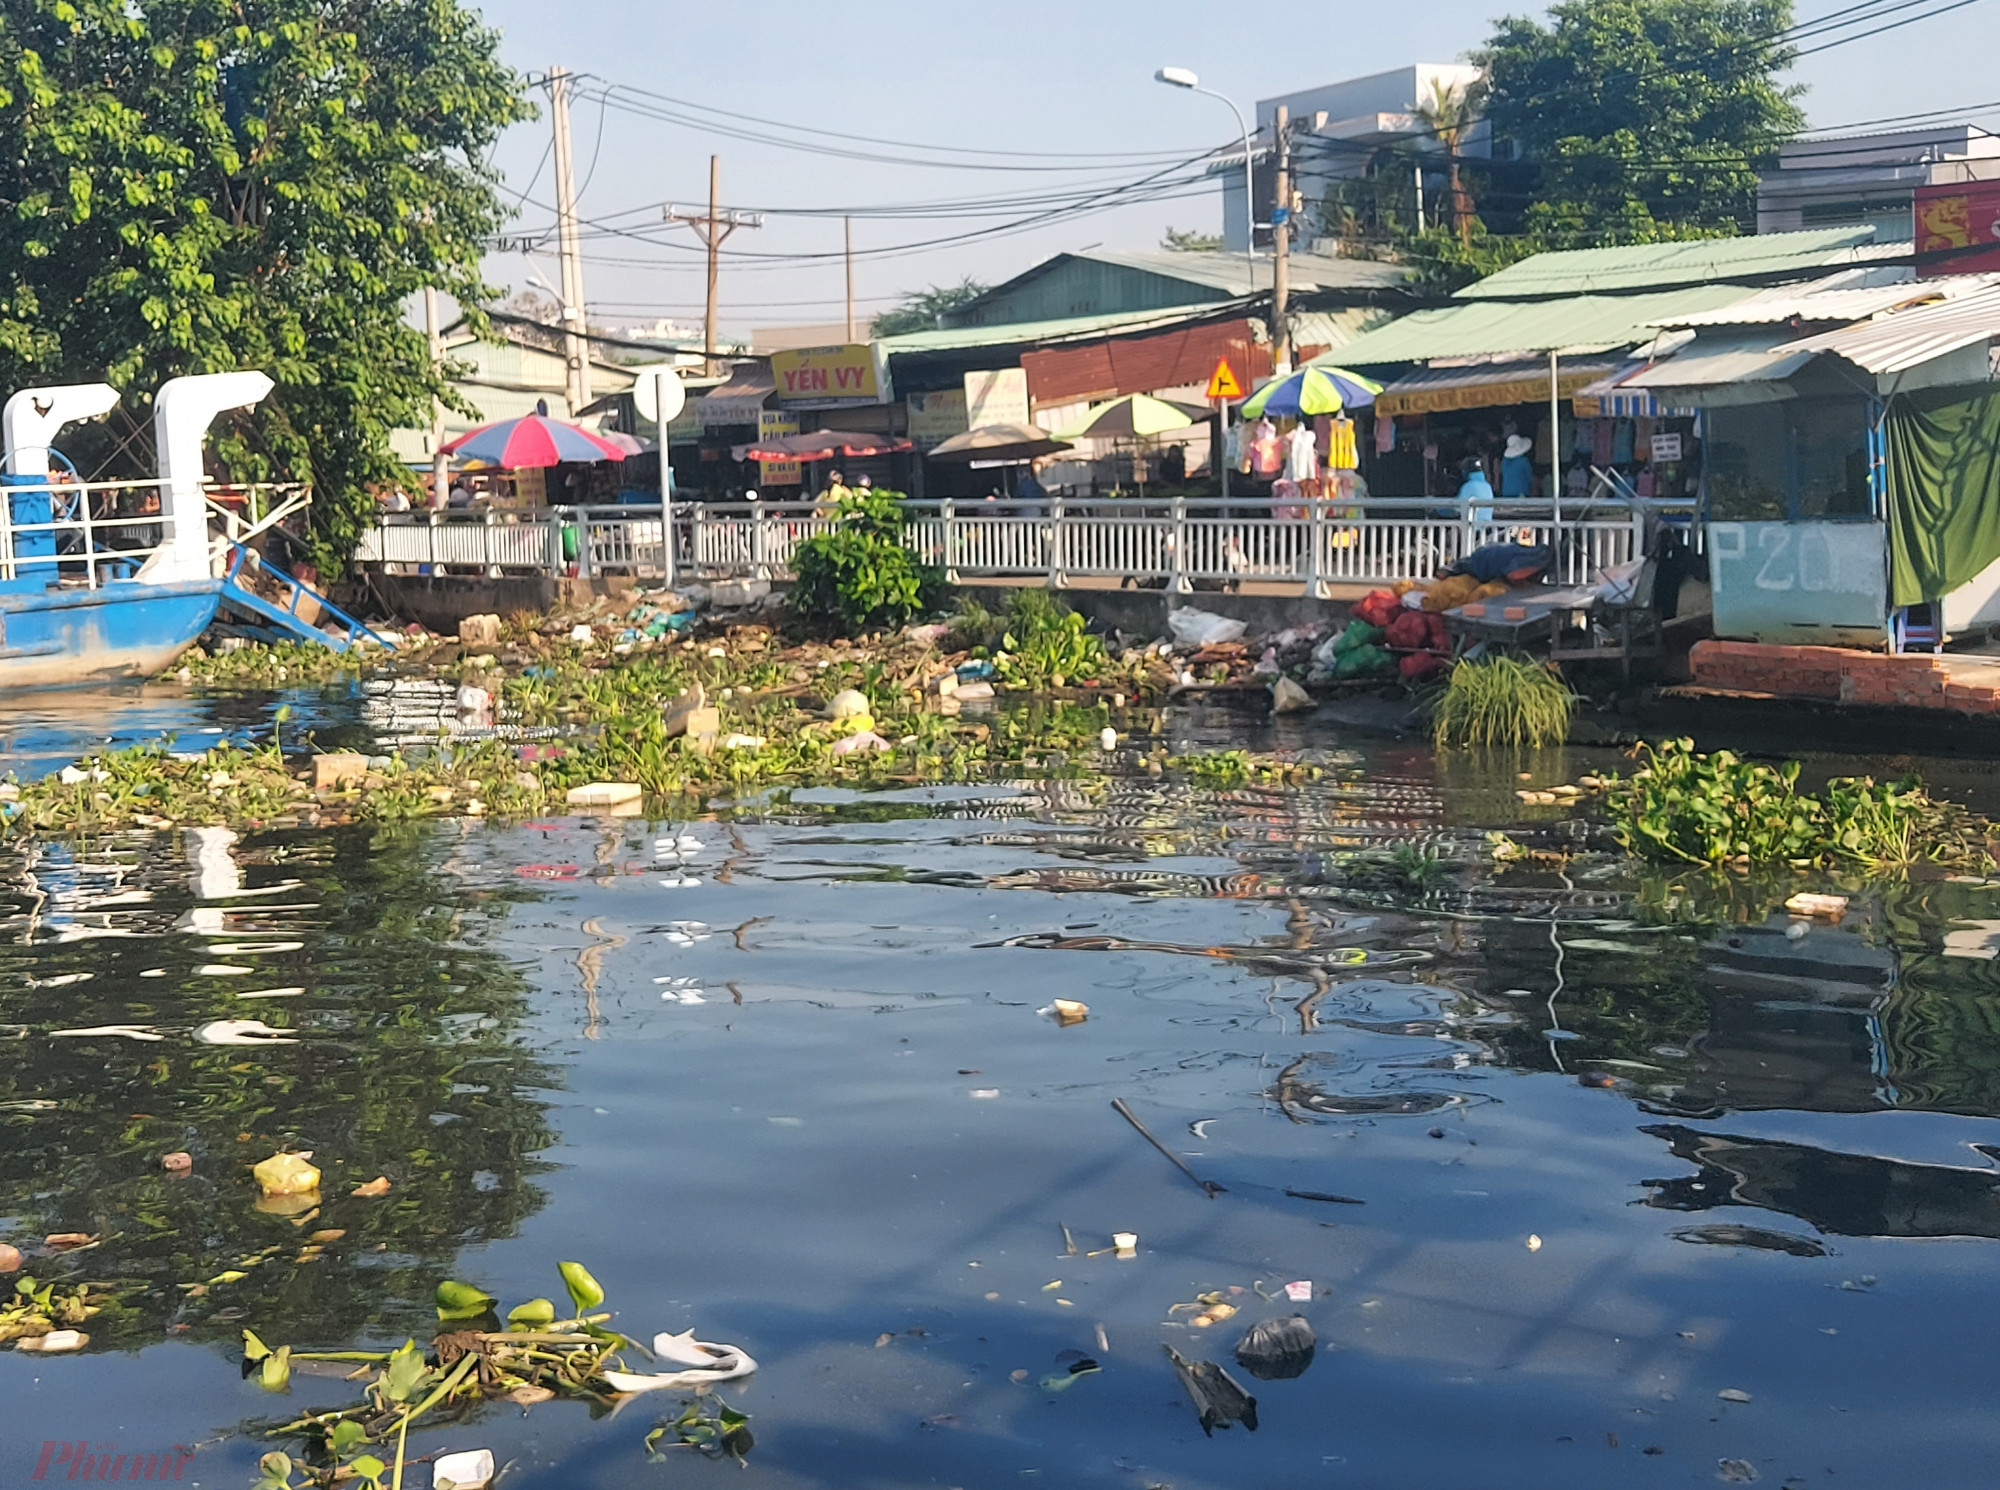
1267,451
1341,453
1301,454
1385,433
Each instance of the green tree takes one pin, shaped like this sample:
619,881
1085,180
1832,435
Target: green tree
1641,119
1190,241
193,186
921,309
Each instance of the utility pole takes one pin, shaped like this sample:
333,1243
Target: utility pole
847,235
712,227
440,462
1281,242
576,337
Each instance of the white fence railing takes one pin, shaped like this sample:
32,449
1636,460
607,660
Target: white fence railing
1312,544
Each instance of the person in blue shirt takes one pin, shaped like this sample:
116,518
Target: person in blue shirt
1475,495
1517,467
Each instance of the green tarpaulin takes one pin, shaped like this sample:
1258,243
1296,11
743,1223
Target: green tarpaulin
1944,491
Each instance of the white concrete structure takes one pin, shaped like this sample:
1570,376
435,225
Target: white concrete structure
1852,180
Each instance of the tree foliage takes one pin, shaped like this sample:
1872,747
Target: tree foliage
1641,119
1617,121
1190,241
192,186
921,308
860,575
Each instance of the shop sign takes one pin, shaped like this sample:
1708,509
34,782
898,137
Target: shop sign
996,397
1666,447
1958,229
1800,582
826,377
936,417
774,424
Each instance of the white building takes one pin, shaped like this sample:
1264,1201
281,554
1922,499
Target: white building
1337,130
1856,180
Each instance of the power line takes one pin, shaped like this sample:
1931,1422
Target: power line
1112,155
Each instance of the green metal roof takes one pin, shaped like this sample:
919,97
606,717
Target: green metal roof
1580,323
1066,328
1658,266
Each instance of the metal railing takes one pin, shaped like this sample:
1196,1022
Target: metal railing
78,532
1313,543
85,533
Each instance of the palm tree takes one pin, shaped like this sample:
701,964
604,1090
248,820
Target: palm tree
1451,111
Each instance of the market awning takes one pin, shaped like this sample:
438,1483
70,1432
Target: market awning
1743,367
735,402
1486,385
1492,328
1609,398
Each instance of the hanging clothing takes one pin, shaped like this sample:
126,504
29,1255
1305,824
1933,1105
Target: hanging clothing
1586,434
1601,431
1622,443
1287,501
1341,454
1385,433
1267,455
1301,454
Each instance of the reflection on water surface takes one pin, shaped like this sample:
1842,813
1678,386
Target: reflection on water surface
779,1075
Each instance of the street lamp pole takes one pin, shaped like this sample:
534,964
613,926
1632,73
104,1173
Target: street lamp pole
1181,77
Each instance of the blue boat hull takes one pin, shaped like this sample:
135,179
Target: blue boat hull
123,629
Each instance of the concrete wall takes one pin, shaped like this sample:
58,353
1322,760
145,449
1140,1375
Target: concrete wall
440,602
1143,613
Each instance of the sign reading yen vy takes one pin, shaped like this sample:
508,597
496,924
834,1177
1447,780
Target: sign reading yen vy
826,377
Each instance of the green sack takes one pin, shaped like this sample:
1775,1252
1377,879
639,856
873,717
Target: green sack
1358,634
1364,661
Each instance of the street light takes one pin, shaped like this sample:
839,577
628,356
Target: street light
1181,77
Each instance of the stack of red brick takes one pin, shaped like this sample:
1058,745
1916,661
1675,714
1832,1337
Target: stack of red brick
1913,680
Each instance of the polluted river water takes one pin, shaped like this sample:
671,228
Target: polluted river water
1655,1184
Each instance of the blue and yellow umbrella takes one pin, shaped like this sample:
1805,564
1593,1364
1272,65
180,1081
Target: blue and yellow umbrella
1312,390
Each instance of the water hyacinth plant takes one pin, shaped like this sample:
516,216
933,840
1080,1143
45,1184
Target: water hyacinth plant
1718,808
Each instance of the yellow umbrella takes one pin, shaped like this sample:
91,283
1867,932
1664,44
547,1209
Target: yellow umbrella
1134,416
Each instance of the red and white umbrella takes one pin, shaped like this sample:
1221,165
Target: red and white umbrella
824,444
532,440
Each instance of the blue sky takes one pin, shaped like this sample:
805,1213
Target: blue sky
1070,80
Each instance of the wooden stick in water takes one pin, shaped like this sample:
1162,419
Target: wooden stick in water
1208,1187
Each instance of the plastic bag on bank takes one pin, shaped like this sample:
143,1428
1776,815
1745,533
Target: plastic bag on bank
1201,628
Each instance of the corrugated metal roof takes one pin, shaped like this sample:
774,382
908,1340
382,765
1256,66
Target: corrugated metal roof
1747,357
1231,272
1580,323
1896,343
1644,266
1852,295
1065,328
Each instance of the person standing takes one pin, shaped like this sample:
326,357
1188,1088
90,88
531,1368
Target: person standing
1517,467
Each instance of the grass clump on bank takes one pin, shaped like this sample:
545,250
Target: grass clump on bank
1713,809
1502,701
